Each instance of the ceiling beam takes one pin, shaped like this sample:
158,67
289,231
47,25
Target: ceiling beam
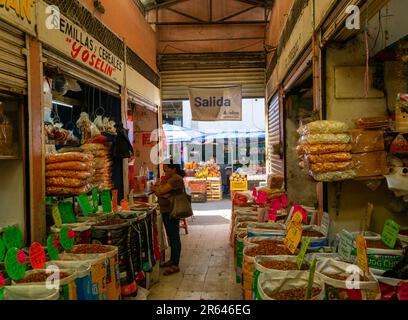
259,3
163,5
237,13
253,22
186,15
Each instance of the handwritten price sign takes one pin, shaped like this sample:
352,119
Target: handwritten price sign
37,256
390,232
293,236
362,260
15,269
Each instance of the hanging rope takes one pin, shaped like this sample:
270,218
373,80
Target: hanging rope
367,49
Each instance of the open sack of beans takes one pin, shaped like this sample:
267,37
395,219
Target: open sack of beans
67,285
276,266
68,173
291,287
344,281
104,268
316,235
324,151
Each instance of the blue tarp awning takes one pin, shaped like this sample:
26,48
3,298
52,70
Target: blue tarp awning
176,134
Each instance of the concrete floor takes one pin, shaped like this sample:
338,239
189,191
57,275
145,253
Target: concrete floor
207,259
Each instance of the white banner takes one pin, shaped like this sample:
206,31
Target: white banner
216,104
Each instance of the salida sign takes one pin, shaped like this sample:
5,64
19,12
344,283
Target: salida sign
80,46
216,104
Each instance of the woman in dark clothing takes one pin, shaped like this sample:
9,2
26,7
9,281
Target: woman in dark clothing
172,184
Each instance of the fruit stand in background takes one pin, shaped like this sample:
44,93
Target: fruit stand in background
203,181
238,182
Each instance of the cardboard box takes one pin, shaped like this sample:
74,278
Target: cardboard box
367,140
370,164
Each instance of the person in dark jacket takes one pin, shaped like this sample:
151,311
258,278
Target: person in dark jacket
122,148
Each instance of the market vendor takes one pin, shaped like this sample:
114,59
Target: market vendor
171,184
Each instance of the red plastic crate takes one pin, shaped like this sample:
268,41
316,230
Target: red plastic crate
198,186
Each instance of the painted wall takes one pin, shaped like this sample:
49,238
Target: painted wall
300,188
124,19
277,22
144,122
12,193
355,194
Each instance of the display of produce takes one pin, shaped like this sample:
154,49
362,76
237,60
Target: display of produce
206,169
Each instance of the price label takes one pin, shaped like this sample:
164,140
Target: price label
106,201
362,260
56,215
2,250
14,268
37,256
346,245
52,246
13,238
403,290
95,200
124,204
85,205
302,211
2,281
297,217
272,215
284,200
67,212
311,279
67,238
324,226
262,198
302,252
115,201
293,236
390,233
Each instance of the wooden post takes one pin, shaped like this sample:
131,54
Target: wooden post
36,141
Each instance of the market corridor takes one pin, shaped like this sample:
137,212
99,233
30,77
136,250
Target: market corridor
207,261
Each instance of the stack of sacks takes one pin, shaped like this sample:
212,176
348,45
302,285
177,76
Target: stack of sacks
324,151
68,173
102,164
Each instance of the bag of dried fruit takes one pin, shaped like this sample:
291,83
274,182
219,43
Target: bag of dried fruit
292,287
344,281
277,266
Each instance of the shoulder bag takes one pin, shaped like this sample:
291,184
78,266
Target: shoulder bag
180,205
